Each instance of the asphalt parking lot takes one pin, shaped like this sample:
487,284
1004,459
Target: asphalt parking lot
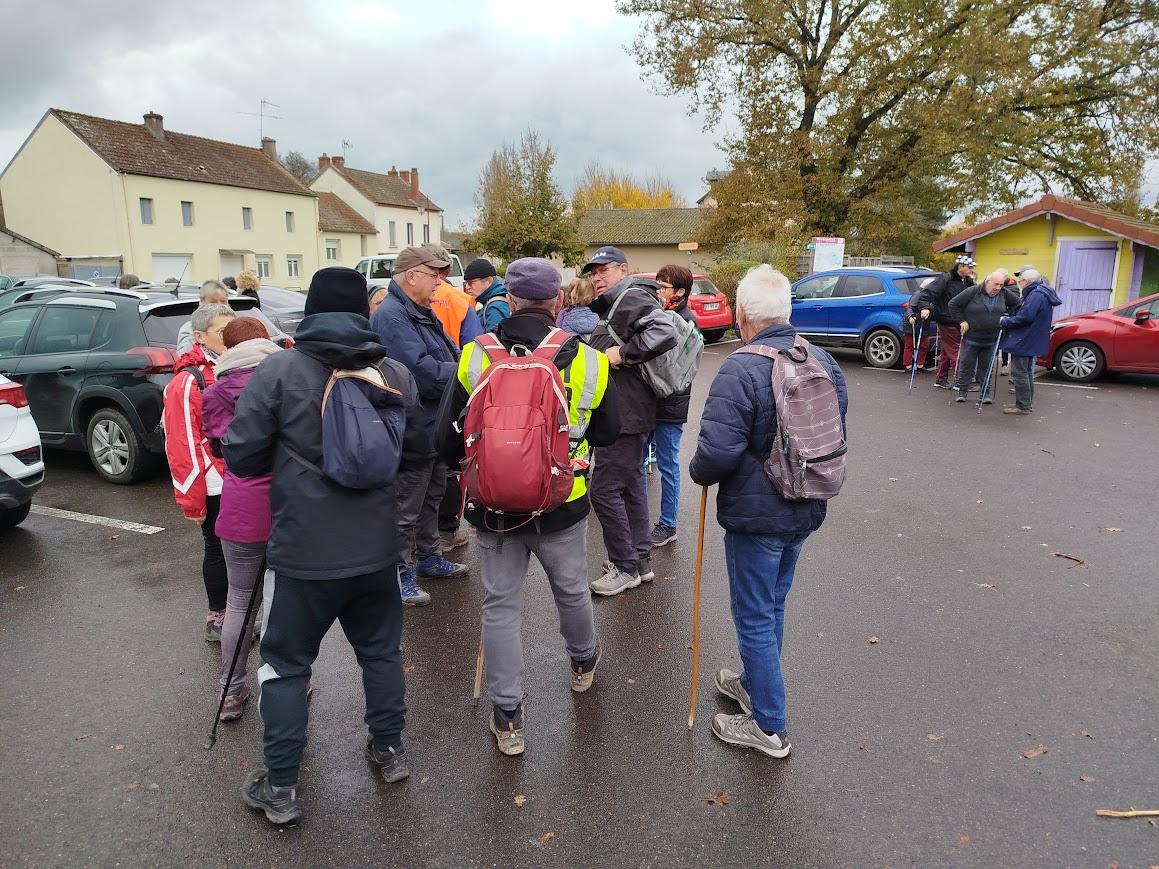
946,546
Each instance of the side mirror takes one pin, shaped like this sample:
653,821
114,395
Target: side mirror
1142,316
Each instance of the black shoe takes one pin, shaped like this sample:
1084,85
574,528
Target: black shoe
279,804
644,568
392,761
942,384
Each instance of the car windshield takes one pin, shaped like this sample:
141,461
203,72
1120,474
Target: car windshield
704,287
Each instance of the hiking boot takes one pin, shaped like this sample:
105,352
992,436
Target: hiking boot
615,581
662,534
234,706
508,730
436,567
583,672
728,684
411,591
942,384
214,619
743,731
960,398
457,539
1015,409
644,569
392,761
279,804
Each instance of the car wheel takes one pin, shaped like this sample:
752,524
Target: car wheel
115,449
882,349
713,335
10,517
1079,361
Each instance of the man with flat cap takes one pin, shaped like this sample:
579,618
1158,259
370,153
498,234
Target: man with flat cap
413,335
557,537
324,566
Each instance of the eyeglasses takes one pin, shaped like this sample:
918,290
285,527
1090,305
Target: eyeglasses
434,275
605,268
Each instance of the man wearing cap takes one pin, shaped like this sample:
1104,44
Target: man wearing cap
934,303
1026,335
619,494
482,283
413,335
557,538
324,566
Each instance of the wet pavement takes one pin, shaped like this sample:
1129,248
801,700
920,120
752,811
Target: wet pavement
907,751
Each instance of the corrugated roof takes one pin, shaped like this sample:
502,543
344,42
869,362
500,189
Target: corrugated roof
1092,214
640,225
385,189
132,149
334,215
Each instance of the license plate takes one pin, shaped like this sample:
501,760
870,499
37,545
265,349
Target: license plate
712,306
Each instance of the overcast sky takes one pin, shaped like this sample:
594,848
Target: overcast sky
434,84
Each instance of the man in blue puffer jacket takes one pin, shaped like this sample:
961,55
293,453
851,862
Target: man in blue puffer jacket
764,533
1027,335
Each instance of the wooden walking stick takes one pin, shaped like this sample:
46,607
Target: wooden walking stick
478,692
696,607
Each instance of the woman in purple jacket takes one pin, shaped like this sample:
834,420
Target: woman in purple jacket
243,523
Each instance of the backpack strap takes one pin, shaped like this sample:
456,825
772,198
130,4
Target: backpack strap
197,375
551,345
493,347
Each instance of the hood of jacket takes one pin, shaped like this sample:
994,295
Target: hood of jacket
195,357
496,289
247,354
1041,286
339,340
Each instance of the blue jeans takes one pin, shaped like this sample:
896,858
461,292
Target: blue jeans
666,439
760,574
1022,376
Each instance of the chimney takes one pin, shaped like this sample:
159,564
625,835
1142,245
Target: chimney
338,162
270,147
153,123
393,173
323,163
414,184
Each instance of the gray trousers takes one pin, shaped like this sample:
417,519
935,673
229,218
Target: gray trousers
505,561
420,489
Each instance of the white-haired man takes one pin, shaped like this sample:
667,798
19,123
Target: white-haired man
764,532
1027,335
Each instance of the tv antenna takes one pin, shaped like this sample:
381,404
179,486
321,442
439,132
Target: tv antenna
261,114
345,145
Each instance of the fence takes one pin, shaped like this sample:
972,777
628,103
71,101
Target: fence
805,261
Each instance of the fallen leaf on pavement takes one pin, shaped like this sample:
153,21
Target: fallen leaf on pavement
520,800
670,578
893,479
83,736
1087,734
689,647
1034,752
985,585
1095,445
1087,778
408,668
863,747
118,747
720,799
963,840
546,837
936,736
873,641
1078,562
820,635
132,786
936,759
243,764
1027,527
114,537
1114,530
1153,823
979,501
631,681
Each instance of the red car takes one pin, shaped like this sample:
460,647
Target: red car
1125,339
708,304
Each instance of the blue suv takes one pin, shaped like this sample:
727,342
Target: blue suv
857,307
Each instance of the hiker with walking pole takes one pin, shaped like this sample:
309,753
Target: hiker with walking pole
916,345
979,310
988,380
772,436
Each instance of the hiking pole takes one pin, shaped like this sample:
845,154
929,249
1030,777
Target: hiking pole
914,362
989,379
696,607
478,692
245,626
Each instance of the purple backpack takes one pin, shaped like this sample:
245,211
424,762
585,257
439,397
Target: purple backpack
807,462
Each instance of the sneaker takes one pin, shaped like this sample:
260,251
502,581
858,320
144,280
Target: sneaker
942,384
1004,370
662,534
437,567
214,619
279,804
412,592
508,730
449,540
728,684
392,761
987,400
961,397
583,672
234,706
614,581
1015,409
1012,390
644,570
743,731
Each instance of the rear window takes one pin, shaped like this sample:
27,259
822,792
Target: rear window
909,286
704,287
163,325
456,267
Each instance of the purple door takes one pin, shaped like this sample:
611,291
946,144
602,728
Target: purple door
1086,276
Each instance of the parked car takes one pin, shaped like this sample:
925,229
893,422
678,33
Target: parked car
379,269
1125,339
21,464
708,304
857,307
94,364
22,294
48,280
286,308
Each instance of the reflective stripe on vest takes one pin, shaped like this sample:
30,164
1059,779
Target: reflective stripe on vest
586,381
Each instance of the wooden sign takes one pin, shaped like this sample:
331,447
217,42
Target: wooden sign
687,245
1014,251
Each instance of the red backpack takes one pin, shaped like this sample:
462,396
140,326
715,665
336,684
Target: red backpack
516,430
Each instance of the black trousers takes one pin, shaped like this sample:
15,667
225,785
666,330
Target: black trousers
299,612
213,571
449,506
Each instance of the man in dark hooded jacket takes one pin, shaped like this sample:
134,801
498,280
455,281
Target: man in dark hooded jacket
934,303
1027,335
324,564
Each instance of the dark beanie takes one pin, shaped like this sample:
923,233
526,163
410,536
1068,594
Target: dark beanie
338,290
479,268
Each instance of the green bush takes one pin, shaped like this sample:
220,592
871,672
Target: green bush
734,261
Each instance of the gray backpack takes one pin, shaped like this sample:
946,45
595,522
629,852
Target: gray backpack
807,462
674,370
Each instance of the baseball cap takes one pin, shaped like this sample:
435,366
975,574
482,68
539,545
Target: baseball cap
1025,268
413,257
604,255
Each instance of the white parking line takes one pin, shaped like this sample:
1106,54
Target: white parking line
1046,383
95,520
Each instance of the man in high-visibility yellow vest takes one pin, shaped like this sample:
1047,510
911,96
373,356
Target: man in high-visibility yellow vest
558,538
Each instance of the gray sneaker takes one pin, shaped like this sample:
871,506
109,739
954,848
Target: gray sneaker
508,730
743,731
615,581
644,569
662,534
449,540
392,761
728,684
280,805
583,672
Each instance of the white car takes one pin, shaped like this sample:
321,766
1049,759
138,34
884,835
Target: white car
378,270
21,463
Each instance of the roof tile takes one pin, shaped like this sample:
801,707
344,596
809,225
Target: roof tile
334,215
385,189
640,225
